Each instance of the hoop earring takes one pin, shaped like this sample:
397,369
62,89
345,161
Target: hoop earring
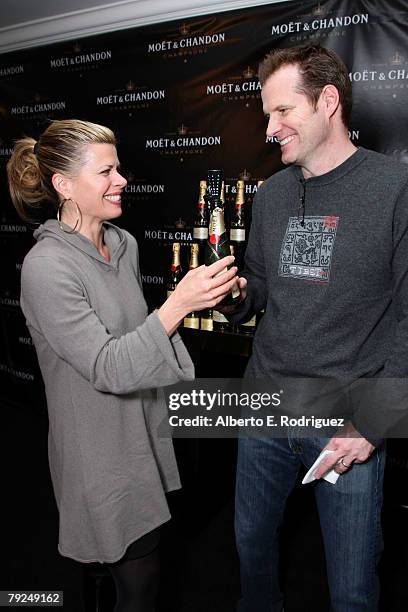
78,221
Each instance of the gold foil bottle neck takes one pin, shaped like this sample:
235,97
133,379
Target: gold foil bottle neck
240,197
194,256
203,190
176,254
217,223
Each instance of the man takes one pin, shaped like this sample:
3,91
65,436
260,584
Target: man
328,259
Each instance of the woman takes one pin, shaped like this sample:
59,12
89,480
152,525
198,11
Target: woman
101,355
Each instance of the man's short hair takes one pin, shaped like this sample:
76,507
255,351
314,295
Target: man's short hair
318,67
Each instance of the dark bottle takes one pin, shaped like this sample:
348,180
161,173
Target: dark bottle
217,244
176,273
192,320
238,226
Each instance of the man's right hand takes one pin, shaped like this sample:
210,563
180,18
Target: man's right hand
242,285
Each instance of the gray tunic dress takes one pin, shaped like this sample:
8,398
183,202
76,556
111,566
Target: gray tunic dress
103,360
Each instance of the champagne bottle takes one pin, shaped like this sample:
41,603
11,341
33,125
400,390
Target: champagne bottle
211,191
217,243
218,246
176,272
238,227
192,320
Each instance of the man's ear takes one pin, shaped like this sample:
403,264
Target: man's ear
330,99
62,185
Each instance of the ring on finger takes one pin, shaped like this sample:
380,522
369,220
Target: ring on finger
344,464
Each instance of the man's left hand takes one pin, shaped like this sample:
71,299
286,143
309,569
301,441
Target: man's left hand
349,447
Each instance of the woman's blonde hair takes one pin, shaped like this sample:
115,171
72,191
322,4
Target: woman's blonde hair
61,148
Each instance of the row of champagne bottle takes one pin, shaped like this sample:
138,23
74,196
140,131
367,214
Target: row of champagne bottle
211,195
208,320
212,242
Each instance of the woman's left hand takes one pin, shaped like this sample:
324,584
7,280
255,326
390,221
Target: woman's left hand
201,288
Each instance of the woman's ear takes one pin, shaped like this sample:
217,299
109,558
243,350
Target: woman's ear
62,185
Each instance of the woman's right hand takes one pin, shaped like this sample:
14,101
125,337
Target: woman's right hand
199,289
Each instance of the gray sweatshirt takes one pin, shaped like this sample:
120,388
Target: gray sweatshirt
335,289
102,358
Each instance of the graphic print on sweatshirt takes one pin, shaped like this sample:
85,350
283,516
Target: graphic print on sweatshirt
307,251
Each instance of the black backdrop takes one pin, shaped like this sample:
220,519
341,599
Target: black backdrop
183,97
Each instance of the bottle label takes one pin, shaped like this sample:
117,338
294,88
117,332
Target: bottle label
192,322
250,323
221,272
237,234
218,317
200,233
217,223
217,245
235,291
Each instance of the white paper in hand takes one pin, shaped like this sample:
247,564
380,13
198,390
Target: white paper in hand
330,476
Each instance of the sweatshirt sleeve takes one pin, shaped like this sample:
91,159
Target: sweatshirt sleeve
383,409
59,315
254,270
